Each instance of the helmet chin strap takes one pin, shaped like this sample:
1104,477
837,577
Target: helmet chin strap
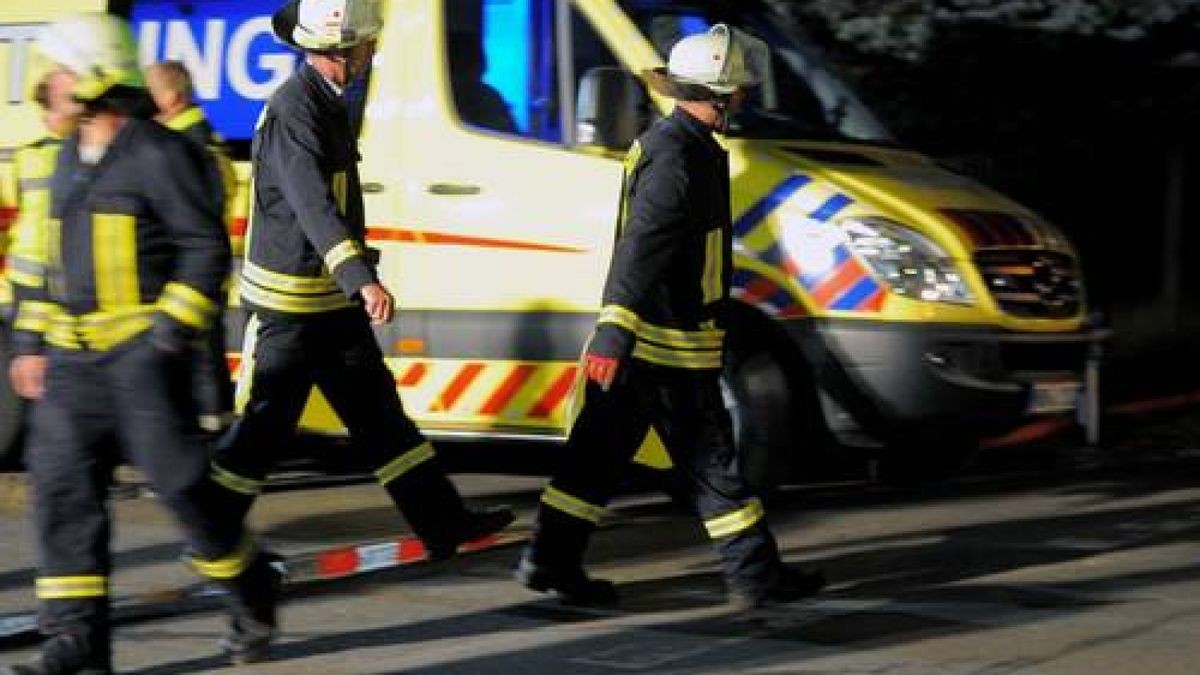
721,104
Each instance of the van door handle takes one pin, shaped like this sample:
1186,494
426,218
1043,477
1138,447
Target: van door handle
453,189
372,188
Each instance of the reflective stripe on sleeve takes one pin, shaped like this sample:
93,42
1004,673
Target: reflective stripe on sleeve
620,316
187,305
341,253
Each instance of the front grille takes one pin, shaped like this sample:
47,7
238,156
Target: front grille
1032,283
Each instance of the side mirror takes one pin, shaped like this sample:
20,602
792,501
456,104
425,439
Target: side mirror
609,109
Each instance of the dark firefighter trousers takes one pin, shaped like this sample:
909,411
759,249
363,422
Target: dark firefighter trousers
140,397
336,352
687,410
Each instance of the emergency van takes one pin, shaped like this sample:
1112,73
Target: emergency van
879,299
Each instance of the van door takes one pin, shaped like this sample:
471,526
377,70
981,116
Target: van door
495,232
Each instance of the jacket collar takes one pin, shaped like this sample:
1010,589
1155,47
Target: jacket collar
696,128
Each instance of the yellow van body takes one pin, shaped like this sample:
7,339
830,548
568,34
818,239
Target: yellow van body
916,299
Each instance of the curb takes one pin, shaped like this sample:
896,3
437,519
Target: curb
300,570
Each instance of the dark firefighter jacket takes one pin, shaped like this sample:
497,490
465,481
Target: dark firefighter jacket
192,123
670,272
133,243
33,166
305,248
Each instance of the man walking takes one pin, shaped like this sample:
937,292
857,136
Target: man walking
170,85
655,356
311,283
135,258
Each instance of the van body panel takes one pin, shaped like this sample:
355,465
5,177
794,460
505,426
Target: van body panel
496,244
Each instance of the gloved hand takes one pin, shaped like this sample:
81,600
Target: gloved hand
610,346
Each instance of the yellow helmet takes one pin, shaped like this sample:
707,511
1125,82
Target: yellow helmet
97,48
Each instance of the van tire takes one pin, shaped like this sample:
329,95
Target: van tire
763,386
11,411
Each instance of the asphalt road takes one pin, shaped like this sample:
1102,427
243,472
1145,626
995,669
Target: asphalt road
1045,561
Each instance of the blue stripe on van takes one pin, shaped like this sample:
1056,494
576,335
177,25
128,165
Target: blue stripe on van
831,207
771,201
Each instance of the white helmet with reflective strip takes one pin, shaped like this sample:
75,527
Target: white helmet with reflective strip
97,48
322,25
720,61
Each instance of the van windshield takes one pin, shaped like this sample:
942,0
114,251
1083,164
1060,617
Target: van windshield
801,98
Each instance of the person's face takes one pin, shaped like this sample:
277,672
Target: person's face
358,58
160,90
62,111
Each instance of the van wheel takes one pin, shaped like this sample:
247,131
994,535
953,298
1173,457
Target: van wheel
762,404
11,411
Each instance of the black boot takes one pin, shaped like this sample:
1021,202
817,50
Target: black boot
254,597
571,583
65,654
787,584
475,524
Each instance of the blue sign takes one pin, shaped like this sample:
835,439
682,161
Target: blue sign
226,45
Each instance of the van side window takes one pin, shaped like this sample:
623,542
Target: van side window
502,67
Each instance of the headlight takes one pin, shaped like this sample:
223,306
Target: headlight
911,264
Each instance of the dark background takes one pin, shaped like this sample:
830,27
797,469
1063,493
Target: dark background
1084,110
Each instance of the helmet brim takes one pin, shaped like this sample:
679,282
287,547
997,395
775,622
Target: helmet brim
283,24
662,81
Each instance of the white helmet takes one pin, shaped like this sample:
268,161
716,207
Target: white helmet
321,25
97,48
718,63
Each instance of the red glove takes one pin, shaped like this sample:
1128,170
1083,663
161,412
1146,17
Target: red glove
601,369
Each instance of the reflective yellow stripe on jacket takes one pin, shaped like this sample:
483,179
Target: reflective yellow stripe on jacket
699,349
287,293
26,256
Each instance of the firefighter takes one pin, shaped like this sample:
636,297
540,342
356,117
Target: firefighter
33,164
135,257
170,85
310,281
655,355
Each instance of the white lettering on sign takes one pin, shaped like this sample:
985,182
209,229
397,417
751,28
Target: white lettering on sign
209,57
204,64
279,64
19,38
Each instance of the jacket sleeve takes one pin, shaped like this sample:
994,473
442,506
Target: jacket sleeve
181,195
654,218
295,155
27,254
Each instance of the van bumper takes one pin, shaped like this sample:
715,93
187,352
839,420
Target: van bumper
879,381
